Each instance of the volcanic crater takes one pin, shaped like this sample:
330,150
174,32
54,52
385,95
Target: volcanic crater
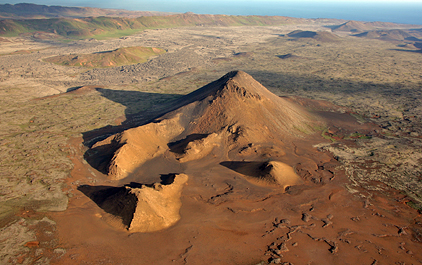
233,122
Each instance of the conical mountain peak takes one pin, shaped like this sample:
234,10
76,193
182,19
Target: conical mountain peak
241,84
226,115
236,82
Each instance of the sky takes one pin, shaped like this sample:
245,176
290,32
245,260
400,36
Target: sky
185,5
158,4
399,11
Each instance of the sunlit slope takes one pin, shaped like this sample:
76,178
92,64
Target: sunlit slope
118,57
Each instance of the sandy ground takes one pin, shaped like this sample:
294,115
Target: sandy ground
235,222
20,45
356,217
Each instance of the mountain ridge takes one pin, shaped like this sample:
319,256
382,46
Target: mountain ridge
84,22
98,26
31,11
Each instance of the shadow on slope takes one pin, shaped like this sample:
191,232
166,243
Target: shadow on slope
136,101
417,45
119,201
179,147
271,173
248,168
322,36
404,50
141,108
153,106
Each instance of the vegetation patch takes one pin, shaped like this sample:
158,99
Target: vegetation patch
103,27
118,57
358,117
329,135
358,135
414,205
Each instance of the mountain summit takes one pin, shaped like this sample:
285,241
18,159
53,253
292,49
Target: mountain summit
224,118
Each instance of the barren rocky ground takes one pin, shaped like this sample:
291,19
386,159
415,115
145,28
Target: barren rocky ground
378,82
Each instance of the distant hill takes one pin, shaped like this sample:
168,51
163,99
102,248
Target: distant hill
322,36
395,34
389,35
28,11
122,56
352,26
114,26
358,26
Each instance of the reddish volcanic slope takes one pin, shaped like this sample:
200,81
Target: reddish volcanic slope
228,175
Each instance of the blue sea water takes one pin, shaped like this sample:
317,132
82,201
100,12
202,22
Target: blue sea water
403,11
386,11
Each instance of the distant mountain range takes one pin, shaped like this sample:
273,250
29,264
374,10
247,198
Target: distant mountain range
383,31
84,22
41,21
31,11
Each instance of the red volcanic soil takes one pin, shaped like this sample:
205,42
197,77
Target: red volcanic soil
227,216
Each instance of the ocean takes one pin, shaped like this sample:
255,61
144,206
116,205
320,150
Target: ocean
385,11
404,11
